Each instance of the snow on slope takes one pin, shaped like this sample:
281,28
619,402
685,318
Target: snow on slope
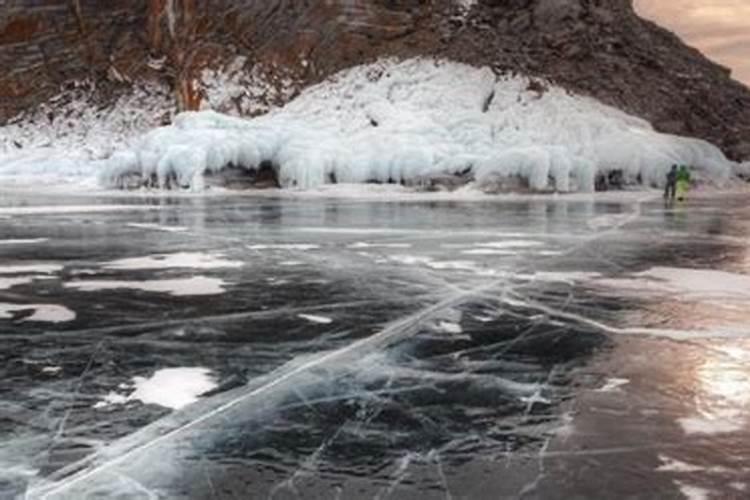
404,121
63,140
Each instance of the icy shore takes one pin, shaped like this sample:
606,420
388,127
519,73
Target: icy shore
418,122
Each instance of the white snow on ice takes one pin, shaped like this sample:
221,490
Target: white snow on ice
43,313
613,384
170,387
188,260
8,283
31,268
184,287
32,241
672,465
693,492
302,247
405,121
362,244
316,319
157,227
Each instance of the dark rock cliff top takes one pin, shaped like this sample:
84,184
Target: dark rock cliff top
599,48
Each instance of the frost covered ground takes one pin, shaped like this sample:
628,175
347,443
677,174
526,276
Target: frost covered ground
308,347
419,122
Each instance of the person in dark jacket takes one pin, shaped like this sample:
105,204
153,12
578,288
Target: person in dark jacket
670,191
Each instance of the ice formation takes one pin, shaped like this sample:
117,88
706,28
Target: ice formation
413,122
63,140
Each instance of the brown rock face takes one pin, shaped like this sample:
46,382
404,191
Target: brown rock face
594,47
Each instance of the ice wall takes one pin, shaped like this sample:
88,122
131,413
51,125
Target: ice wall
420,119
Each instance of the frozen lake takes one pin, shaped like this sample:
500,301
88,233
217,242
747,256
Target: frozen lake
226,347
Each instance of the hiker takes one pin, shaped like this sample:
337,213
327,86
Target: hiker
683,182
671,190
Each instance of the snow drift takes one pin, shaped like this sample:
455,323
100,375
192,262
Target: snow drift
412,121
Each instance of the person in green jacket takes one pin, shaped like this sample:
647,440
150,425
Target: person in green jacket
683,182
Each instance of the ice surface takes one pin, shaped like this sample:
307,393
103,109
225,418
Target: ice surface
180,287
417,119
438,374
695,283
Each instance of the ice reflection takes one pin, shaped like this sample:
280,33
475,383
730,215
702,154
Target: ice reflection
722,394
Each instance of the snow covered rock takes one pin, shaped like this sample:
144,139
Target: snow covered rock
398,122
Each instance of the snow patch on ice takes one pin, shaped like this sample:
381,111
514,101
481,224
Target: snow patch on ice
449,327
613,384
710,425
362,244
693,492
188,260
170,387
31,268
43,313
157,227
489,251
32,241
194,286
407,121
322,320
302,247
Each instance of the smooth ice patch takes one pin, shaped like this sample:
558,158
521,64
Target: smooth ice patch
187,260
157,227
195,286
316,319
42,313
31,268
31,241
170,387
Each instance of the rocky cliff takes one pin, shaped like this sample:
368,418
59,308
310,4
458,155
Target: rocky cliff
599,48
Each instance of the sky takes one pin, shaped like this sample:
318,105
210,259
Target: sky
719,28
